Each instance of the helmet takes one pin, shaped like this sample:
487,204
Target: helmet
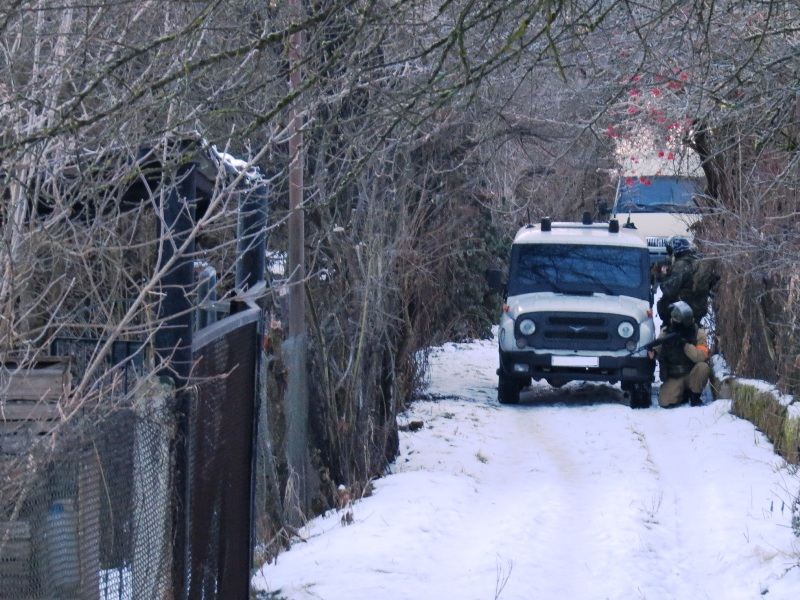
678,245
681,312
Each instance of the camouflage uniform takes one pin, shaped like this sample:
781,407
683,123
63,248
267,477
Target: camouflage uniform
684,368
679,284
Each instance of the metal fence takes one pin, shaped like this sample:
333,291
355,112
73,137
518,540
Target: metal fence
146,491
220,457
91,501
86,507
126,355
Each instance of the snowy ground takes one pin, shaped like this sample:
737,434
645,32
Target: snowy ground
570,494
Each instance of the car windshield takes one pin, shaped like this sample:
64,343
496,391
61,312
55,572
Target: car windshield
579,269
658,194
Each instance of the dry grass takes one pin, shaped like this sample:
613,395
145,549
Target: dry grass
765,411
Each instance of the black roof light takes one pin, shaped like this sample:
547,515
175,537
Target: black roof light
546,224
587,217
613,226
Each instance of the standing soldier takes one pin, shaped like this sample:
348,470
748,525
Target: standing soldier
684,279
682,358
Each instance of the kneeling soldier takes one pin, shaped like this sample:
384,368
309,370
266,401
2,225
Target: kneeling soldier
682,359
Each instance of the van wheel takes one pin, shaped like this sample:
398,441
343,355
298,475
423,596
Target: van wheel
641,394
508,389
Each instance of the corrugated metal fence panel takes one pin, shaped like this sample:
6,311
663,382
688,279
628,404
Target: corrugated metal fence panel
220,446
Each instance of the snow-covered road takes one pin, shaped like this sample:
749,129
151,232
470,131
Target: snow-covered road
570,494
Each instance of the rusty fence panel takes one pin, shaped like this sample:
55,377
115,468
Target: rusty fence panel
221,432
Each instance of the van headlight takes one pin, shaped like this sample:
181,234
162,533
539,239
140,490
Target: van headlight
527,327
625,329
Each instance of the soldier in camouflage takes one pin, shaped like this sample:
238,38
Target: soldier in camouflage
683,360
679,281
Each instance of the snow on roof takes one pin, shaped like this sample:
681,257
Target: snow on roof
577,233
233,165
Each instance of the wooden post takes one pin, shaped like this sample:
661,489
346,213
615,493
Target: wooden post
295,346
89,486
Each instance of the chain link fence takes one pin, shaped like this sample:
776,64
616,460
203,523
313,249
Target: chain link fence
90,493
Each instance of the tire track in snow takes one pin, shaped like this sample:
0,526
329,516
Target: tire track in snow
593,490
689,550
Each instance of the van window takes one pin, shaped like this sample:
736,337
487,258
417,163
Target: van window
658,194
579,269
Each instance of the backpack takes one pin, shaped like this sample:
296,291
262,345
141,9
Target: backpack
705,278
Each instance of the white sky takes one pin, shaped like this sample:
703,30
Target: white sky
569,495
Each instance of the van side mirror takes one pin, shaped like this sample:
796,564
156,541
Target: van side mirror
495,280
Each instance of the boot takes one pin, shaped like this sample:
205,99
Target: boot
694,398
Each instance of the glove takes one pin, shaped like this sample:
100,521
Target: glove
660,270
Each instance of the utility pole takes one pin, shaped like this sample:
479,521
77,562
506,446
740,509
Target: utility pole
296,258
295,346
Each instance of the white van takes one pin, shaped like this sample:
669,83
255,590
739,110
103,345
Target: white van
659,207
578,307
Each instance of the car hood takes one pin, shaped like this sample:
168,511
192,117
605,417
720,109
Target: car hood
597,303
661,224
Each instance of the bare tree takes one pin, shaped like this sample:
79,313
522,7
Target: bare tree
430,132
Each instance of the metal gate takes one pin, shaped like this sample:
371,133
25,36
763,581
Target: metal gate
220,441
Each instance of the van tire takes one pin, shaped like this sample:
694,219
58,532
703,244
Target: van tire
641,394
508,389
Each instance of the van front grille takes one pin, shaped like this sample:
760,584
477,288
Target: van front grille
575,331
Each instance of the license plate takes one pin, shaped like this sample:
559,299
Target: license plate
575,361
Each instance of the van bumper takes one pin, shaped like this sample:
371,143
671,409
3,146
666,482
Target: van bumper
611,369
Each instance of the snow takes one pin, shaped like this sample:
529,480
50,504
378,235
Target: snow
231,164
570,494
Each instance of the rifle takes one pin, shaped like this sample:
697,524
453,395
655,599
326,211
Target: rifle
671,338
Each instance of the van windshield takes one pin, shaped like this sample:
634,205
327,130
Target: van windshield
658,194
579,269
